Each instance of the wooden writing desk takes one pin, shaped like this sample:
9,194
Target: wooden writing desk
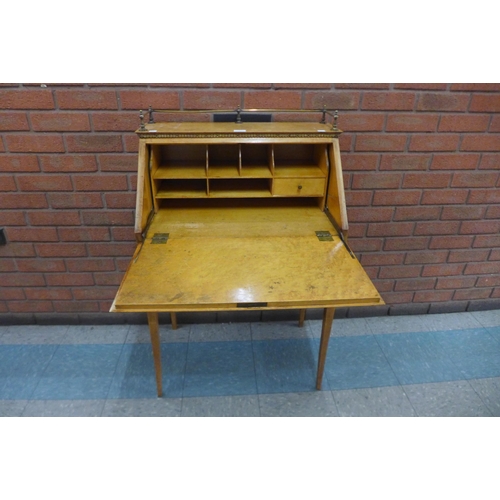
233,216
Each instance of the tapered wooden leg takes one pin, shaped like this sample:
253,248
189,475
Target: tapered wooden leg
173,320
155,343
323,345
302,317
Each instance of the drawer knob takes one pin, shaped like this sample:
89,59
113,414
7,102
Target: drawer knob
300,187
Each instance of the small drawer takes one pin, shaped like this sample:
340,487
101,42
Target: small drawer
299,187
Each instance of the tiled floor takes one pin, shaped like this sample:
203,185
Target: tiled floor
432,365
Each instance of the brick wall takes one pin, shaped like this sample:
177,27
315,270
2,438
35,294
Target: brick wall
421,165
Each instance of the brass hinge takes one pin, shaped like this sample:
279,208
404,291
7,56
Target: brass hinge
324,236
160,238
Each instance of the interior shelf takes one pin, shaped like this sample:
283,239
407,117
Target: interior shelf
240,188
192,188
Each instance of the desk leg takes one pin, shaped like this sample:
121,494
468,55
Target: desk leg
173,320
302,317
155,343
323,346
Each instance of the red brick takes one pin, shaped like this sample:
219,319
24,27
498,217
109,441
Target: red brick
86,99
115,121
487,241
454,161
22,280
269,85
26,99
115,218
406,243
60,122
17,250
11,122
35,143
421,86
465,212
384,259
41,265
75,200
488,281
426,180
158,99
426,257
443,269
372,272
489,103
472,294
492,212
108,279
131,142
381,86
451,242
70,279
436,228
120,200
433,296
415,284
122,264
388,100
400,197
48,294
434,142
32,234
490,161
23,200
108,182
376,181
59,218
416,213
484,196
46,183
95,292
468,255
404,162
79,306
122,163
280,99
206,99
380,142
464,123
442,102
31,306
7,265
19,163
363,122
94,143
481,142
454,282
358,198
332,100
480,227
371,214
68,163
444,196
61,249
84,234
412,122
495,254
7,184
111,249
91,265
390,229
495,123
13,218
397,297
12,294
366,244
476,87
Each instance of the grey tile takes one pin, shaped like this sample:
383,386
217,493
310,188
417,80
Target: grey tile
450,321
63,408
374,402
12,408
139,334
489,392
279,330
160,407
446,399
34,334
216,332
96,334
487,318
303,404
341,327
221,406
397,324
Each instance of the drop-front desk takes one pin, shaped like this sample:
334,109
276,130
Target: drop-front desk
233,216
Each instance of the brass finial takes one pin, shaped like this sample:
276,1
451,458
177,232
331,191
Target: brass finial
141,117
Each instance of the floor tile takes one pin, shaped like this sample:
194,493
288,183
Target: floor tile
276,330
12,408
450,321
446,399
219,369
417,358
64,408
356,362
488,318
135,373
157,407
488,390
34,334
494,331
341,327
140,334
96,334
286,365
220,332
374,402
303,404
221,406
397,324
475,352
79,372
